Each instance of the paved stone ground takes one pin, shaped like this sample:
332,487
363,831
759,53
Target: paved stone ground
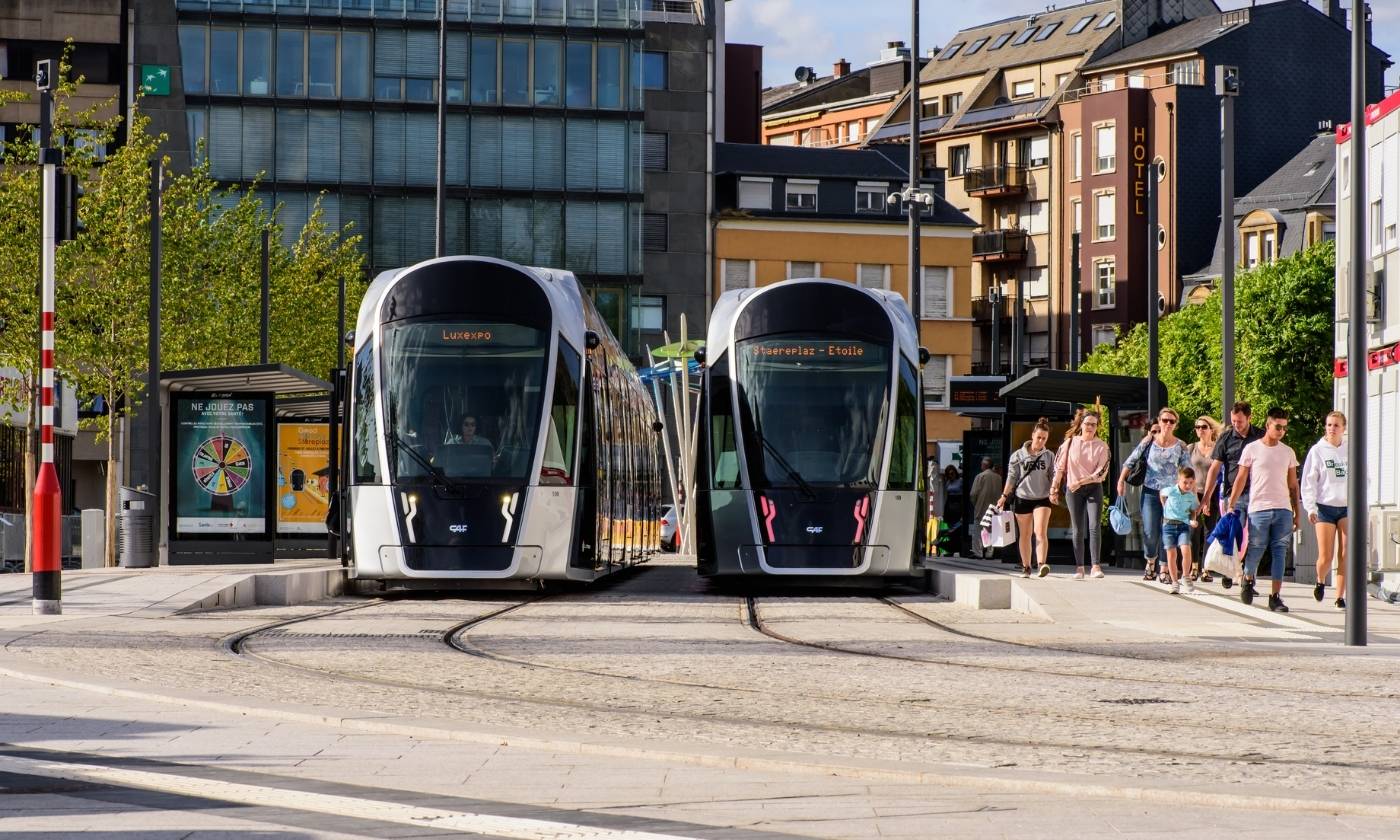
1235,704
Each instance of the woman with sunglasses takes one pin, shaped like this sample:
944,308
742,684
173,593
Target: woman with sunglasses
1202,451
1080,468
1165,454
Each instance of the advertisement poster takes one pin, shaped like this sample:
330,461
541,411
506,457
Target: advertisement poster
220,463
303,477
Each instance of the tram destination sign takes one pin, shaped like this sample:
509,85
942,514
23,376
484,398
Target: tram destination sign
817,351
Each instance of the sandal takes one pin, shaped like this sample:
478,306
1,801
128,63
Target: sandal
1194,575
1207,577
1151,572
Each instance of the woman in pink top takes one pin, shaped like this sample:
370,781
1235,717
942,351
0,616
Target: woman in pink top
1080,467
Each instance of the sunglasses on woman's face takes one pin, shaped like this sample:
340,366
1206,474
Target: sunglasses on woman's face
1201,427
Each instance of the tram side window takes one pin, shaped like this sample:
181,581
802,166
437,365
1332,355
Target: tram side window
904,458
366,428
558,464
724,453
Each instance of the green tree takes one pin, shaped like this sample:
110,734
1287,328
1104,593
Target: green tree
1283,345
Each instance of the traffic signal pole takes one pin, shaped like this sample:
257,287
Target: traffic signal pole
48,500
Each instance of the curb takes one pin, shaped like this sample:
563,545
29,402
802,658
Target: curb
770,761
282,588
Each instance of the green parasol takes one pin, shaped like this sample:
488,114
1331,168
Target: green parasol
678,349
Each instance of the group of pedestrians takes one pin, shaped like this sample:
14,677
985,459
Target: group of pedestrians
1240,480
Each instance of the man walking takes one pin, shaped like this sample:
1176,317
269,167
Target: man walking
986,487
1225,464
1268,474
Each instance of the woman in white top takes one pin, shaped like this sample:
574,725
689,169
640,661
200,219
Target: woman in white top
1324,492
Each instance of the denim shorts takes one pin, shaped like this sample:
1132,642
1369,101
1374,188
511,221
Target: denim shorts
1176,534
1331,514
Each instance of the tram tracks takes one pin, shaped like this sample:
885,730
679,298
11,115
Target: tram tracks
452,637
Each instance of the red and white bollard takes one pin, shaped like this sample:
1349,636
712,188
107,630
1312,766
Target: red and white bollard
47,547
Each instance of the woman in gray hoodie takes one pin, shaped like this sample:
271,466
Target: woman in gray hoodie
1028,479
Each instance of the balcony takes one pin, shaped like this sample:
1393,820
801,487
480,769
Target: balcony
999,246
992,181
670,11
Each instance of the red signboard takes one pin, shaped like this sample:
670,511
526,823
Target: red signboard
1375,360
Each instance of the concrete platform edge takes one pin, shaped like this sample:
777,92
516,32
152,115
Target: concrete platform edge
281,588
986,779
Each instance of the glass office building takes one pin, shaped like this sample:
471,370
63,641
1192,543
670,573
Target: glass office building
544,124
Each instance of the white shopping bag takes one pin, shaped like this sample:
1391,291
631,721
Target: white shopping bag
1003,529
1220,563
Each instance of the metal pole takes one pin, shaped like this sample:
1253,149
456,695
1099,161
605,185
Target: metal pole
1227,258
335,529
1357,513
1074,301
153,419
1153,292
1018,328
47,560
914,207
340,321
266,296
440,231
994,301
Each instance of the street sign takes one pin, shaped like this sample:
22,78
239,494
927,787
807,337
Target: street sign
155,79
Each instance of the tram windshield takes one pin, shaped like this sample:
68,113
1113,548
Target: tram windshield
816,408
463,399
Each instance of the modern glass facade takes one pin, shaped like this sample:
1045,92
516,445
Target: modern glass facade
544,123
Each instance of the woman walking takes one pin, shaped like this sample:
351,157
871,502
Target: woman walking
1324,494
1202,451
1080,468
1028,476
1165,455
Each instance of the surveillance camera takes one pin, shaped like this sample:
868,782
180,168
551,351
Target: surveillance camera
892,199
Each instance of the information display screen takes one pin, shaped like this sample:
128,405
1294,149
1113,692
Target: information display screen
220,464
303,477
814,350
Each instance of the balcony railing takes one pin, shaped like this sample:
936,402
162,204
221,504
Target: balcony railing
670,11
999,245
1002,179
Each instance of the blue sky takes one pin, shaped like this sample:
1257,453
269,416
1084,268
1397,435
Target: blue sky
816,33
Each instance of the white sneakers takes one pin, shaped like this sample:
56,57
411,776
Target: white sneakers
1079,575
1097,573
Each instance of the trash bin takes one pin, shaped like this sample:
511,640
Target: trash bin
136,528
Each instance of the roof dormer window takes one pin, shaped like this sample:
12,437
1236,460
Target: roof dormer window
1107,21
1025,36
975,46
1082,24
1000,41
1048,31
950,52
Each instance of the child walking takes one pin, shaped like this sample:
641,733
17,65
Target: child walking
1179,506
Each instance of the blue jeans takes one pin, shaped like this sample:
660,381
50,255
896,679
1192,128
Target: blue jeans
1151,523
1269,529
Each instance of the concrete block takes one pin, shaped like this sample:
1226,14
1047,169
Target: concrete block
94,530
984,593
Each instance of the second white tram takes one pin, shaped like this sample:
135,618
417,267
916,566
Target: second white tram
495,431
810,443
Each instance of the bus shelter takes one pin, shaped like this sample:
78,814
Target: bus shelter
244,464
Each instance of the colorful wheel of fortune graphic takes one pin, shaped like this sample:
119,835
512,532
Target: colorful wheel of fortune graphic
222,465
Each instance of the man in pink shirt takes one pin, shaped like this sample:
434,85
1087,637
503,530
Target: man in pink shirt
1269,473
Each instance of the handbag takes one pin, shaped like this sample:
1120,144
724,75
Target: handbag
1003,530
1220,563
1118,518
1137,473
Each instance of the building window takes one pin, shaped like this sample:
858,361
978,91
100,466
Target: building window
1185,73
1035,217
1105,216
223,61
1377,228
1000,41
801,195
928,108
870,198
1037,150
1023,88
1105,284
1038,349
1103,335
853,130
649,313
1268,248
1107,21
1025,36
975,46
957,160
654,155
1076,215
1329,231
1079,27
950,51
1107,83
291,67
654,70
936,381
1137,78
1076,156
756,193
193,55
800,268
654,232
1105,148
1048,31
738,274
936,291
1038,283
1060,80
952,102
873,276
257,61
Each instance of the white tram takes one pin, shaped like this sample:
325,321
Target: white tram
495,431
810,448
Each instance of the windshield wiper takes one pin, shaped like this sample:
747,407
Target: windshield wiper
782,462
440,479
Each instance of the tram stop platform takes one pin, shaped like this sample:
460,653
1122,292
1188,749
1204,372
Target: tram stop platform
1122,607
172,590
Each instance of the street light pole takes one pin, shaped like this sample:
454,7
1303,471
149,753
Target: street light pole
1357,513
1074,282
440,230
47,559
1227,87
915,208
1153,294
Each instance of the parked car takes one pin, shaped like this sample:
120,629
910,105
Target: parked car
670,529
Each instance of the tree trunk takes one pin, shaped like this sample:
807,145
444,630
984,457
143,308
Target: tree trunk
110,514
